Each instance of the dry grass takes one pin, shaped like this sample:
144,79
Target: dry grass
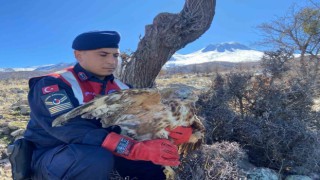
199,81
12,92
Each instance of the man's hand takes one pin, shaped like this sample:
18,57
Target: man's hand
180,134
159,151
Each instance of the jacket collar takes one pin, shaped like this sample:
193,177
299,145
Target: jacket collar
85,75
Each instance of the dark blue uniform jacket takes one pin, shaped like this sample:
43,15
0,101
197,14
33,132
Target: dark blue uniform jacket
48,162
78,130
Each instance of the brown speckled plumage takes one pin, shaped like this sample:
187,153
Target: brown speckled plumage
143,114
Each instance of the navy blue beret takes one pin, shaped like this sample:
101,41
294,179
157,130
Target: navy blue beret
96,40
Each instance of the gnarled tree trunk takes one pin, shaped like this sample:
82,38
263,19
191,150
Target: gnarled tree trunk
168,33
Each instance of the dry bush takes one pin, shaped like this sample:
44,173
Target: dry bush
286,146
218,161
223,160
213,106
271,121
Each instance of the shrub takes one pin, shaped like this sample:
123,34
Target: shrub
217,161
270,120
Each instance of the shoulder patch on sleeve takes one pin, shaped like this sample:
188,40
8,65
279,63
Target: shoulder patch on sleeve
50,89
57,102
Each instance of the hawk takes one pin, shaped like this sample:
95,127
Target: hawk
143,114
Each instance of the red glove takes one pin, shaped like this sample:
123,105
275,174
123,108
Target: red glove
180,134
159,151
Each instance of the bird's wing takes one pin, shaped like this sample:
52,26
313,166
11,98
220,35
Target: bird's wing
111,105
196,138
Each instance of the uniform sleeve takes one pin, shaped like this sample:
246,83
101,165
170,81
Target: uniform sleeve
50,97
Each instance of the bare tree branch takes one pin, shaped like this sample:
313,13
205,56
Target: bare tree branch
298,31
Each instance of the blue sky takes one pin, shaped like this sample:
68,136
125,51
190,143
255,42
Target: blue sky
38,32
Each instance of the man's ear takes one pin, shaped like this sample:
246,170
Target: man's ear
77,55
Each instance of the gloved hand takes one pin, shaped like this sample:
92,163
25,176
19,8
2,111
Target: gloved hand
159,151
180,134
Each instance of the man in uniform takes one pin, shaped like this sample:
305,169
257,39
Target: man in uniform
82,149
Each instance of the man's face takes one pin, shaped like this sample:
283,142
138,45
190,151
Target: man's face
101,62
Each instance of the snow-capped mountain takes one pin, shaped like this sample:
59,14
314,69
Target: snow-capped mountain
46,68
231,46
16,69
224,52
53,67
230,52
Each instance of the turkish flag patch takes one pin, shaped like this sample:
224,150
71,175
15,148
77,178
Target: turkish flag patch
50,89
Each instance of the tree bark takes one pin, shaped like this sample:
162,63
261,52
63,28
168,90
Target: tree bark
167,34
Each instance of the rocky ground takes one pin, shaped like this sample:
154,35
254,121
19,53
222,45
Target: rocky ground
14,115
